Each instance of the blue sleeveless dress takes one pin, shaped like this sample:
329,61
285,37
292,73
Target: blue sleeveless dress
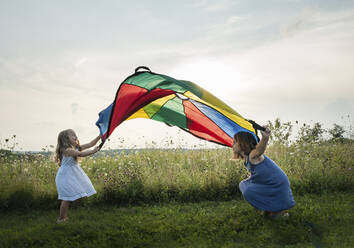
268,187
71,181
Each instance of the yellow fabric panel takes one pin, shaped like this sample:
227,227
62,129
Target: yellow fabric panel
217,102
157,103
139,114
238,119
163,100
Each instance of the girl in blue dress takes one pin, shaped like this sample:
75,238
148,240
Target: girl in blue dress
71,181
268,188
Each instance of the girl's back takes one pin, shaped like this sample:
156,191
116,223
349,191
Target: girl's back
68,161
267,172
268,188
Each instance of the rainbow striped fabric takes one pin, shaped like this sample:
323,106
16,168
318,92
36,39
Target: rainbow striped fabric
175,102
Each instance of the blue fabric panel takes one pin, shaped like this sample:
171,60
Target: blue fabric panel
102,122
228,126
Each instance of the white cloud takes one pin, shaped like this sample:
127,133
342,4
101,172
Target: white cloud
301,77
315,19
81,62
229,27
74,108
212,6
45,123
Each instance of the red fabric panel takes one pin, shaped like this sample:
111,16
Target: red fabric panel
130,99
201,126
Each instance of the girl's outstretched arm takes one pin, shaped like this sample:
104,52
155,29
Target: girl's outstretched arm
75,153
261,146
91,144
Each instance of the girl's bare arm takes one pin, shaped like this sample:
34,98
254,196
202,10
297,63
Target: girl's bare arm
75,153
90,144
261,146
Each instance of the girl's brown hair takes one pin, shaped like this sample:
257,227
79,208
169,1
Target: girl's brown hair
64,143
246,141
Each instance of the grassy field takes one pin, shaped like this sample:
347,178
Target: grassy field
179,198
316,221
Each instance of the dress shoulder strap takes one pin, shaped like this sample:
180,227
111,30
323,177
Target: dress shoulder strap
248,163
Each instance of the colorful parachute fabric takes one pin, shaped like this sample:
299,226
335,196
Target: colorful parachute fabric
177,103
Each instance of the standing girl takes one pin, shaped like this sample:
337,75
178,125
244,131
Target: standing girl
268,187
71,181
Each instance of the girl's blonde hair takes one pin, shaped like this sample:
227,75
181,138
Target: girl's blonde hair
63,144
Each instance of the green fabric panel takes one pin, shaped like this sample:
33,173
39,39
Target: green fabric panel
151,109
151,81
172,112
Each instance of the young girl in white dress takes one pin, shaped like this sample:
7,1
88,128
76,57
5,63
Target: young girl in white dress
71,181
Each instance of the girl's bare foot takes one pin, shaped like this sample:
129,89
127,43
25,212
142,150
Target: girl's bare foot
276,215
61,220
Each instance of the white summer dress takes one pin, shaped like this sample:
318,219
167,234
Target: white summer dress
72,182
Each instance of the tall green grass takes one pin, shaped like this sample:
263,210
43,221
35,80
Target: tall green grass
157,175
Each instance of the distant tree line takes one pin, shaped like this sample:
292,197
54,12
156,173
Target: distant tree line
282,133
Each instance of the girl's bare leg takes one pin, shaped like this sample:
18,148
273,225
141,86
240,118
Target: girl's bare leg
275,214
64,206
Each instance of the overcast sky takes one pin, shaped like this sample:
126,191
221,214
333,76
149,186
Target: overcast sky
61,62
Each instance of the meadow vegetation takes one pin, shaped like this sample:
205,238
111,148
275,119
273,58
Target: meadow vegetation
186,197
